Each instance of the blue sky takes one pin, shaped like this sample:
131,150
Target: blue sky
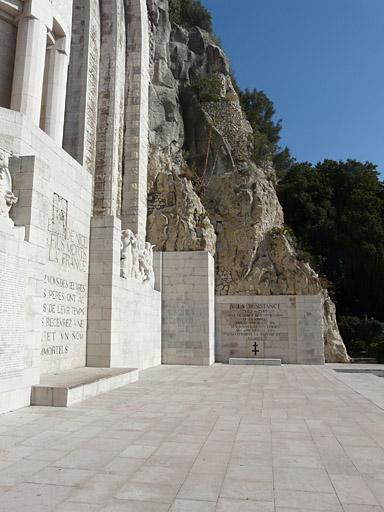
322,64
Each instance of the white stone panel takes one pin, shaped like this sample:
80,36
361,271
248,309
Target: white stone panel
188,308
277,326
137,317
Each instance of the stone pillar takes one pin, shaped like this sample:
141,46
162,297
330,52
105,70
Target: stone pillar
134,193
104,268
29,65
55,85
83,84
109,147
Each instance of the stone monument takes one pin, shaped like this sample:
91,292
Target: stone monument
106,247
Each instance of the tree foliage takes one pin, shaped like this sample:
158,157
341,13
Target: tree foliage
260,112
190,13
336,210
361,335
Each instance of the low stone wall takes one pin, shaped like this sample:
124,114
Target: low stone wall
284,327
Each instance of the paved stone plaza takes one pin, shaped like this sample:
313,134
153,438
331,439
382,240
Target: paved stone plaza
200,439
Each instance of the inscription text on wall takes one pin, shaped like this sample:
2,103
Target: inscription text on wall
66,246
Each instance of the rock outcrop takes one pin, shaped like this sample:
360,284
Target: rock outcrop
205,193
177,220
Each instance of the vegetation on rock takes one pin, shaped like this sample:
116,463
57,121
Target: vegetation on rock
208,189
190,13
260,112
208,88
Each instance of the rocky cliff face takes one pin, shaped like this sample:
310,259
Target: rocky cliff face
205,193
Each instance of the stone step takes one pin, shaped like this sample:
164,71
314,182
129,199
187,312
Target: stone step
69,387
254,361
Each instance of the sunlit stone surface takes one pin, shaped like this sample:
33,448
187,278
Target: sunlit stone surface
222,438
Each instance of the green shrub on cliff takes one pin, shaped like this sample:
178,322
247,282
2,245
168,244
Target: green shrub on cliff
190,13
208,88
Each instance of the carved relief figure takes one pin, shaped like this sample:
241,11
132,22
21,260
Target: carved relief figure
59,214
146,264
7,198
129,255
136,259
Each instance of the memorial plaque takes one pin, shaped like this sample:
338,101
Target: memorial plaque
243,325
269,327
64,313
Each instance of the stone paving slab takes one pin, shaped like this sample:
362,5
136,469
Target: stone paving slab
199,439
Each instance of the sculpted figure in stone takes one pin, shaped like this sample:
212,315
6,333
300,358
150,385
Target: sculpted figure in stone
7,198
136,259
129,255
146,264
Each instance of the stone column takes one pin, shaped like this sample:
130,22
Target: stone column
134,190
55,85
29,67
110,125
83,82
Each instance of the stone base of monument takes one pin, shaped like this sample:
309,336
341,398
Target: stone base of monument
67,388
254,361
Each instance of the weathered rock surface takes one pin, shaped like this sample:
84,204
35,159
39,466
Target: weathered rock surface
202,180
334,347
177,221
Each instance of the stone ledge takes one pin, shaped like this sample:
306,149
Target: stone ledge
257,362
63,389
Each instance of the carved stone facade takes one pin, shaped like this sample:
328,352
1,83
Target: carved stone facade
77,303
86,88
